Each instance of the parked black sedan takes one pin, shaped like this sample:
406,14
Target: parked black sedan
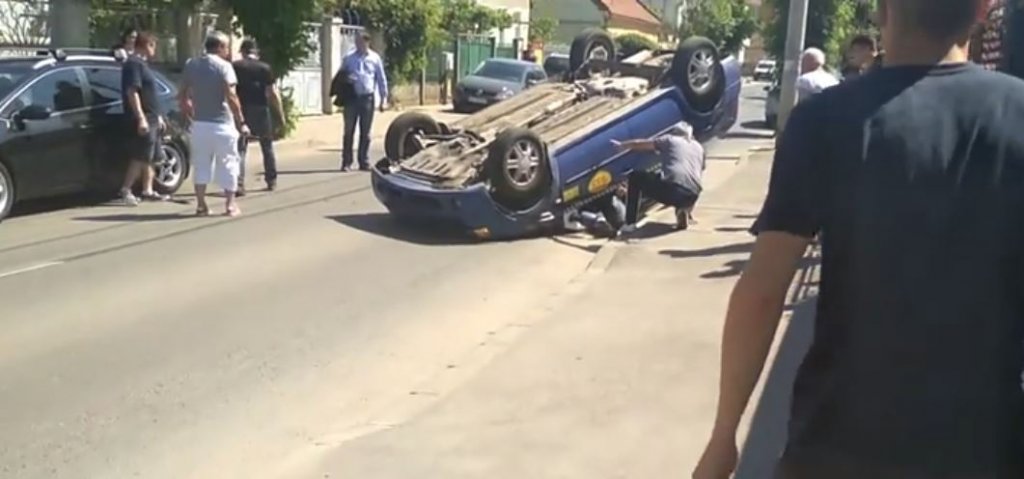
495,80
62,122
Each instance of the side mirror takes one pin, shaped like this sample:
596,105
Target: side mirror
35,113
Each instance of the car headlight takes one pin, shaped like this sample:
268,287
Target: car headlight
505,93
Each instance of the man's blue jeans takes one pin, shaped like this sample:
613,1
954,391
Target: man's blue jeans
358,111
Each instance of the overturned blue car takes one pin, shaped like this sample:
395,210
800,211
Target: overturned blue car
519,167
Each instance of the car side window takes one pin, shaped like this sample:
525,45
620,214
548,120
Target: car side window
105,85
536,75
58,91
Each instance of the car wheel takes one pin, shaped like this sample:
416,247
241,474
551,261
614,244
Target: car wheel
591,44
171,170
403,137
518,169
6,192
697,70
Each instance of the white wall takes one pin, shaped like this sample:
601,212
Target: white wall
520,8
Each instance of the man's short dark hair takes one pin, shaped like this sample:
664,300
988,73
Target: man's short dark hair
144,40
215,41
365,36
939,19
864,40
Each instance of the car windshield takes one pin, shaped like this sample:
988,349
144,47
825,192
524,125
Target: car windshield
501,71
10,77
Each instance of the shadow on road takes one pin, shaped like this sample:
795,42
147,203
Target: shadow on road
732,229
137,218
736,248
758,125
49,205
768,434
309,172
748,135
383,224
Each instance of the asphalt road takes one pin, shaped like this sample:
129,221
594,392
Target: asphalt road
147,343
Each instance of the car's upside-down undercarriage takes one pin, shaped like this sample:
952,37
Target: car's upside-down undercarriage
554,112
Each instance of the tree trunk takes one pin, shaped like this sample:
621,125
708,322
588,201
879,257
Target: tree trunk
69,22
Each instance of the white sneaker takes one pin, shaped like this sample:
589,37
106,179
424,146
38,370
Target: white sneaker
128,199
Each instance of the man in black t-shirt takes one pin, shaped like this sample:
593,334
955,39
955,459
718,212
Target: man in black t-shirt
145,119
913,176
257,93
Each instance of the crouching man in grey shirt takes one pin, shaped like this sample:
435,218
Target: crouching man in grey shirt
210,100
678,184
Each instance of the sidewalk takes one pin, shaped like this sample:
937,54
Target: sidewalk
619,381
323,131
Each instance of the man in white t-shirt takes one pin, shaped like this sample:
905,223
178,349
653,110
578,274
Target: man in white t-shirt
813,78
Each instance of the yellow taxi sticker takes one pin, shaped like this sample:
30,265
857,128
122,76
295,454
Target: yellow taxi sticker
571,193
599,182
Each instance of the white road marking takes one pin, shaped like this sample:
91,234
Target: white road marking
30,269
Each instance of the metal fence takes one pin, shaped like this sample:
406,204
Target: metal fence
473,50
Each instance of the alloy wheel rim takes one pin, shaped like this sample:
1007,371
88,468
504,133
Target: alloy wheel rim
5,193
701,71
522,162
169,170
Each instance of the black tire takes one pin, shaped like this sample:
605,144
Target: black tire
518,187
7,192
398,142
588,43
697,71
171,170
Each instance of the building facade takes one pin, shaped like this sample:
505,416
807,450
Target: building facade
617,16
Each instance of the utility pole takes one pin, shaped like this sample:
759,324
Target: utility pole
795,36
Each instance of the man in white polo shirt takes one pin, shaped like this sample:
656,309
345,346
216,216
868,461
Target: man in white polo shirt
209,98
814,77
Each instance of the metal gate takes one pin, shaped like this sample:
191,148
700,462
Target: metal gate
305,83
473,50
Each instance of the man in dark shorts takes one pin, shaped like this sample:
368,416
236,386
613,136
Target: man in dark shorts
913,176
145,121
257,92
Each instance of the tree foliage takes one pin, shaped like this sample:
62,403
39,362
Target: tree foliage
630,44
468,16
728,23
281,29
830,24
542,29
408,27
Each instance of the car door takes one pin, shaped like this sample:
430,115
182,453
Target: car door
48,150
107,127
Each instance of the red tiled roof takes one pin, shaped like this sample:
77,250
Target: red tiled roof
629,11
